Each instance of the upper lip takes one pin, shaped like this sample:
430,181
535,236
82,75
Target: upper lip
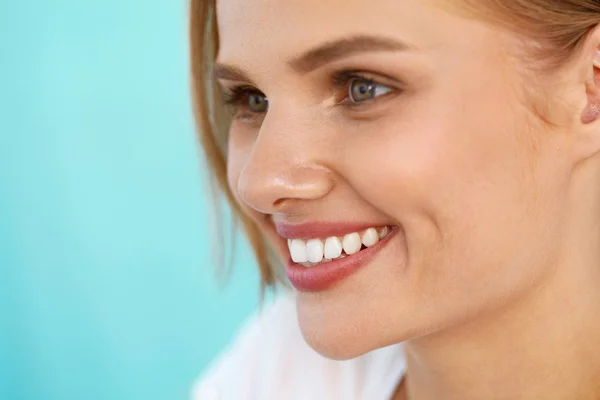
313,230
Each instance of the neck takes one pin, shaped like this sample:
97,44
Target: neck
545,345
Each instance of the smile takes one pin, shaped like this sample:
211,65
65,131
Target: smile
335,252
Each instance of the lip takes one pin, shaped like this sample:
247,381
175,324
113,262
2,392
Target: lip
324,276
315,230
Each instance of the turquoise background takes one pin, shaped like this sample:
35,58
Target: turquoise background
107,286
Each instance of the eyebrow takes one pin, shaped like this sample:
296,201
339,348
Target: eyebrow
229,73
341,48
322,55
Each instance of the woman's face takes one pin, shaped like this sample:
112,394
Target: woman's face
398,114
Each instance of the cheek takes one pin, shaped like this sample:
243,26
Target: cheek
460,184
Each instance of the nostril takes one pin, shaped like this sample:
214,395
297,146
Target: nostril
285,204
278,203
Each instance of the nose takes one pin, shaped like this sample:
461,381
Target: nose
282,172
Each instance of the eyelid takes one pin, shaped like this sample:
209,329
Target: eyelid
236,93
343,77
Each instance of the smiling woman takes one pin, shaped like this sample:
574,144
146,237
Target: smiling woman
426,176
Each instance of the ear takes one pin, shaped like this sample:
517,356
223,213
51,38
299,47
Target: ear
589,68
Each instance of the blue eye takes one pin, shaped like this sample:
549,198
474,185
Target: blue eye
257,103
361,90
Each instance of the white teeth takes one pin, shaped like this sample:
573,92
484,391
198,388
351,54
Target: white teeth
333,247
351,243
314,250
370,237
383,232
298,251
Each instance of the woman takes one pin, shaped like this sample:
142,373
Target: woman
428,174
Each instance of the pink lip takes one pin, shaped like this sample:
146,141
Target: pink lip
323,276
315,230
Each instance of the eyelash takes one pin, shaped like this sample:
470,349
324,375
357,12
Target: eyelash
237,97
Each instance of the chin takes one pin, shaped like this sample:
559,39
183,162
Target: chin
373,308
343,334
335,345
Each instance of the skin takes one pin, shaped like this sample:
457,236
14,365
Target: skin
493,279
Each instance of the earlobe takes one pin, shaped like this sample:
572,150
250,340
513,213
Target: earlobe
592,110
588,142
589,139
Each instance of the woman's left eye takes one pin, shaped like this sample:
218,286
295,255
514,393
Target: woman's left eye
361,90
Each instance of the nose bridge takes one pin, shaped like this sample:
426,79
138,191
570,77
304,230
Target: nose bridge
284,164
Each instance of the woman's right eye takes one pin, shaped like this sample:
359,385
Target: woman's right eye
246,101
257,103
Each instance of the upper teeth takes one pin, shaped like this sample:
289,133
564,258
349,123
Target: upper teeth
318,250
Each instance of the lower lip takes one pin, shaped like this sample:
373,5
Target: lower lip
323,276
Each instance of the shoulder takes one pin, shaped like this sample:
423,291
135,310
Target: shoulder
270,360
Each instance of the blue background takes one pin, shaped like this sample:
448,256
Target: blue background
107,286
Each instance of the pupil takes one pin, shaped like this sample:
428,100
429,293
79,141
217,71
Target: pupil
362,90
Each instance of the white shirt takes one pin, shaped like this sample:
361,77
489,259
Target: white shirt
271,361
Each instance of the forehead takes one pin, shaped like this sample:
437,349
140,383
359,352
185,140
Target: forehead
250,29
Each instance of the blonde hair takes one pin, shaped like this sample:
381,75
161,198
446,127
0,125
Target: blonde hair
559,28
